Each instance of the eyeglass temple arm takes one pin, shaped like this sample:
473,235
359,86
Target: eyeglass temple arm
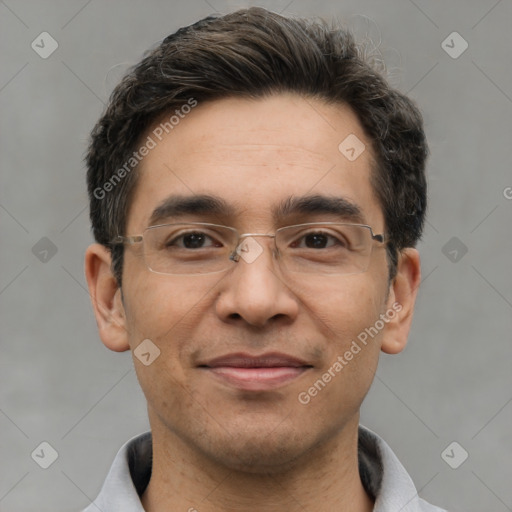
135,239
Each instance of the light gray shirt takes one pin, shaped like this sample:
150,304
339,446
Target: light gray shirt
383,477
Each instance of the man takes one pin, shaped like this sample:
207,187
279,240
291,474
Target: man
256,193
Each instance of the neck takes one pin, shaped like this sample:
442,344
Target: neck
326,478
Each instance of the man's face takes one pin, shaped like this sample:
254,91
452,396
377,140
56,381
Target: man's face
255,155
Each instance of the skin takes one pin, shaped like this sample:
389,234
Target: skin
216,447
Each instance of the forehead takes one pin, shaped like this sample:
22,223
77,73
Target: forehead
256,156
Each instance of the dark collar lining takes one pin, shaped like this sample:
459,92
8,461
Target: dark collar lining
140,462
370,463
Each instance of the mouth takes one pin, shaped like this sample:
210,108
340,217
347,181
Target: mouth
256,373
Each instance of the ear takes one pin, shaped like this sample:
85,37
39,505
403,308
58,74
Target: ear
402,297
106,298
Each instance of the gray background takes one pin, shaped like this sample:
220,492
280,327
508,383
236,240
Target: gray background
59,384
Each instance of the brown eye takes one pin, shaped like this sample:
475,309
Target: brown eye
192,240
316,241
319,240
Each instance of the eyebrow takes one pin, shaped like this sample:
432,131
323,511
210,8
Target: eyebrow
176,206
180,206
319,204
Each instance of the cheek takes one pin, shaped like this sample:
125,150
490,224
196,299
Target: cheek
345,315
167,311
335,393
343,306
160,310
159,305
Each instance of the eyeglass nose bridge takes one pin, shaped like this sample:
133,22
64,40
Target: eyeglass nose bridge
235,255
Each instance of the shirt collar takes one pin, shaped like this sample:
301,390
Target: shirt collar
382,474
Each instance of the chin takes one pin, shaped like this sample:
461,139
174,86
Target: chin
258,449
261,456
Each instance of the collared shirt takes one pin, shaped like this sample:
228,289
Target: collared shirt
382,475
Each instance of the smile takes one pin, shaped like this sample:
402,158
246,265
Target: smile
256,373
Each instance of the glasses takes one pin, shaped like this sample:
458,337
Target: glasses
196,248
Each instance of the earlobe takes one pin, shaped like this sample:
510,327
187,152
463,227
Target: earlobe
401,300
106,298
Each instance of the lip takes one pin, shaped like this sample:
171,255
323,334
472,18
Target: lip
256,373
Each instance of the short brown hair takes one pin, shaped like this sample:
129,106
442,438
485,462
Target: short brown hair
254,53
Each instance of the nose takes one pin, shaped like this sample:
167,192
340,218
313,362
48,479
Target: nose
255,291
